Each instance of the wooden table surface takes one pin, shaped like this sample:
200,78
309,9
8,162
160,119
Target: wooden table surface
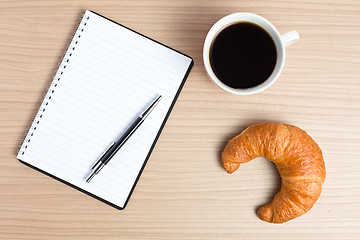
184,193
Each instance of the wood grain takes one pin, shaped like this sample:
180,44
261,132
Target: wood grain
184,193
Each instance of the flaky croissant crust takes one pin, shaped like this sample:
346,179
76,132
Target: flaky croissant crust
297,157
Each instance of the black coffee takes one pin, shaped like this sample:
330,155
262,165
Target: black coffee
243,55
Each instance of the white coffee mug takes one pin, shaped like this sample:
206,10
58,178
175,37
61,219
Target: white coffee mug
281,41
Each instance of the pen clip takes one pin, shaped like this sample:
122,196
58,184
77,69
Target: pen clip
96,163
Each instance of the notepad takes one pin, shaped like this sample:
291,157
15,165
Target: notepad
108,76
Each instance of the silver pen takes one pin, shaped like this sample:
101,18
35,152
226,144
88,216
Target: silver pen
115,146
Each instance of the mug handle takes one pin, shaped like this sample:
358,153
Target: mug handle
289,38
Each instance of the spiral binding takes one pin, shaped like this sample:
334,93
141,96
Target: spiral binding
56,80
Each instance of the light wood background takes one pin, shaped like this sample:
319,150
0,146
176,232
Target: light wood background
184,193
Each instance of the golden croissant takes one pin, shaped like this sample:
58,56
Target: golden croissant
297,157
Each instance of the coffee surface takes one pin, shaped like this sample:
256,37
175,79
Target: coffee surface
243,55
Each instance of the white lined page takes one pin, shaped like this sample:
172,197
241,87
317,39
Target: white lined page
109,75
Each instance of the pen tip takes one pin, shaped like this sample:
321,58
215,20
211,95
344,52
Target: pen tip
90,177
